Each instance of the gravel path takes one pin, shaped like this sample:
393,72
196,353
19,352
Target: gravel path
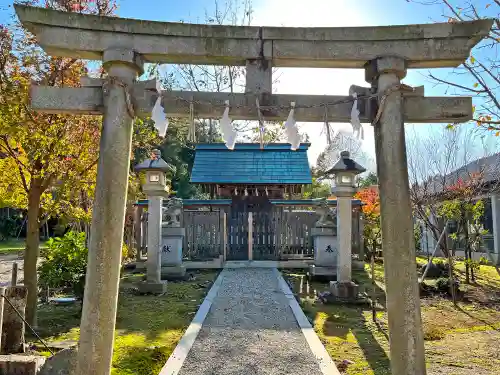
6,268
250,329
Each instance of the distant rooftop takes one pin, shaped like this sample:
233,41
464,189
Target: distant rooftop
486,170
214,163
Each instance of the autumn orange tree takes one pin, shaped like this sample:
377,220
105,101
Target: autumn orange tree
372,232
48,162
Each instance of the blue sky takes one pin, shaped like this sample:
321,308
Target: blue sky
376,12
310,13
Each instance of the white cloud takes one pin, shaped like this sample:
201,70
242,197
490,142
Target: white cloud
316,13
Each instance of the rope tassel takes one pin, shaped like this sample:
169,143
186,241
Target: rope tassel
192,126
356,124
159,117
291,130
228,132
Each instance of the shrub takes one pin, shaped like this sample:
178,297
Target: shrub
438,268
483,261
473,264
433,333
440,263
65,262
443,285
128,253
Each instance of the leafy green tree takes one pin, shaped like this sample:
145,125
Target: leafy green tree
65,261
467,211
369,180
317,189
53,156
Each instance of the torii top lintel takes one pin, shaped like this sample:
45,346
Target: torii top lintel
86,36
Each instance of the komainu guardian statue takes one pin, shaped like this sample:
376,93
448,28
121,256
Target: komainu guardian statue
171,214
328,216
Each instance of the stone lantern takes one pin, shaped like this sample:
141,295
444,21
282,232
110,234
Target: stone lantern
156,169
344,172
155,187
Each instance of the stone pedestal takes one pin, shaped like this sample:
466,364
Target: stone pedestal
140,266
148,287
171,252
325,252
347,290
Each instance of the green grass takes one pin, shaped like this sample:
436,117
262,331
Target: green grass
464,336
12,246
147,327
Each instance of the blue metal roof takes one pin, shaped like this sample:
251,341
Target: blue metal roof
214,163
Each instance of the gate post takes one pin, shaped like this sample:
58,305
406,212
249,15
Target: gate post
223,229
250,236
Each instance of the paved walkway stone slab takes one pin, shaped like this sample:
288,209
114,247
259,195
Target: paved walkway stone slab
250,329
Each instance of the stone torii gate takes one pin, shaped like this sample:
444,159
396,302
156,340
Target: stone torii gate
124,45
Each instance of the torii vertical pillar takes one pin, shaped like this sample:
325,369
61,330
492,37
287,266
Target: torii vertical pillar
403,300
259,76
103,270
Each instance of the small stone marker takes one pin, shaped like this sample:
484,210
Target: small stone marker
15,268
12,325
344,290
17,364
62,363
171,253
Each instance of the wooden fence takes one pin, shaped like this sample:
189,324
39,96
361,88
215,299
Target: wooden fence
281,233
204,238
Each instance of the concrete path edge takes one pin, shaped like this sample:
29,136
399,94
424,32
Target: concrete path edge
325,362
178,356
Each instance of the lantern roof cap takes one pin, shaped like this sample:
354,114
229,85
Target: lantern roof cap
345,164
155,163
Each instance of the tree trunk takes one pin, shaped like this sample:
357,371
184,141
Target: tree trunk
32,249
374,285
451,277
466,251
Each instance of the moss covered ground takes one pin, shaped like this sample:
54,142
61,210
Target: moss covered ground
460,339
147,327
